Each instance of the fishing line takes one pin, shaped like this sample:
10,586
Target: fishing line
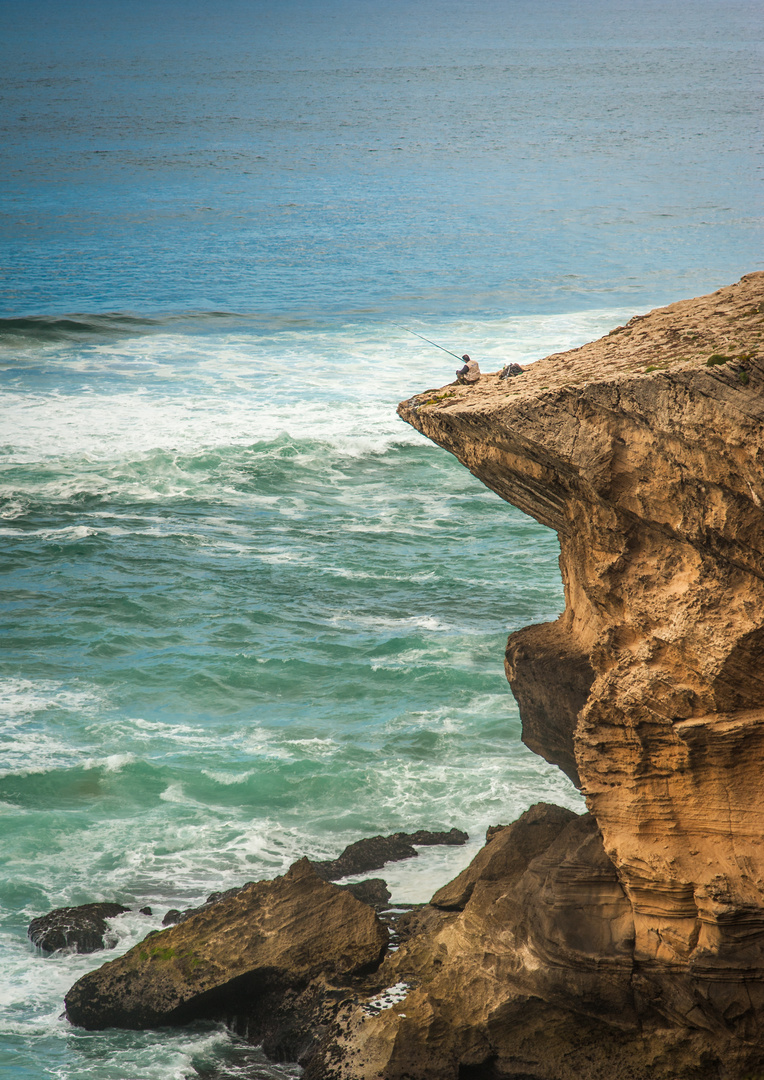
427,340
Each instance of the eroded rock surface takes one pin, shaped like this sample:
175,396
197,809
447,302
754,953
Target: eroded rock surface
542,916
633,946
507,853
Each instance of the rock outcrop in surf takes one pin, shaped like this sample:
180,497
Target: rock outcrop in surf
247,959
82,929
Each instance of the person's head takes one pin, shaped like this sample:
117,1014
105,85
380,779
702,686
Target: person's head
466,359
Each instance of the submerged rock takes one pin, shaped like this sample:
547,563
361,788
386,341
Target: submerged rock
82,928
237,960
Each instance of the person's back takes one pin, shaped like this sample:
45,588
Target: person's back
470,373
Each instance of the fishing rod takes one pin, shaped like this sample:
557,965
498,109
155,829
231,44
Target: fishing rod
427,340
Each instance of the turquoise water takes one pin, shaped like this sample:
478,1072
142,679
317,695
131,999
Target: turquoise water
247,613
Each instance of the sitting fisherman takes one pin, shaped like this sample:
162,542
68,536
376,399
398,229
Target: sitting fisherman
470,373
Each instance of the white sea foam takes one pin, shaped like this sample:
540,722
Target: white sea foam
393,995
322,747
13,509
262,744
19,697
228,779
112,763
413,658
386,623
28,748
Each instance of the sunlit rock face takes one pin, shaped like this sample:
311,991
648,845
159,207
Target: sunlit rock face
645,452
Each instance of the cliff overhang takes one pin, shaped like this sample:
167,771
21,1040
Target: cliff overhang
645,452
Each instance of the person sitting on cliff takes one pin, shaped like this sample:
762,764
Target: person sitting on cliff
470,373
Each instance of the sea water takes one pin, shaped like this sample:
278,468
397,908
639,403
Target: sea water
248,614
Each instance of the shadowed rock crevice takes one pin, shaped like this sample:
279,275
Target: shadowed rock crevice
550,678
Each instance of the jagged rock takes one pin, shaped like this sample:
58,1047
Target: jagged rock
507,853
175,916
235,959
82,928
372,891
418,919
633,947
373,852
546,919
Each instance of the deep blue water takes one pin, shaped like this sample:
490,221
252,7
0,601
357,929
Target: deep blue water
409,158
247,613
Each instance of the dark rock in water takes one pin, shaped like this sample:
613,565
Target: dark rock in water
83,928
145,911
369,854
425,838
238,960
173,916
373,852
372,891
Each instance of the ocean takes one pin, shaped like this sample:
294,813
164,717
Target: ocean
247,613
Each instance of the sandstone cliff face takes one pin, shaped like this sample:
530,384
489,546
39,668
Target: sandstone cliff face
645,452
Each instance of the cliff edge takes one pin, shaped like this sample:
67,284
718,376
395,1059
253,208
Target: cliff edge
628,942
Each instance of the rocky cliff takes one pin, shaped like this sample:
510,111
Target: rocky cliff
626,943
631,943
